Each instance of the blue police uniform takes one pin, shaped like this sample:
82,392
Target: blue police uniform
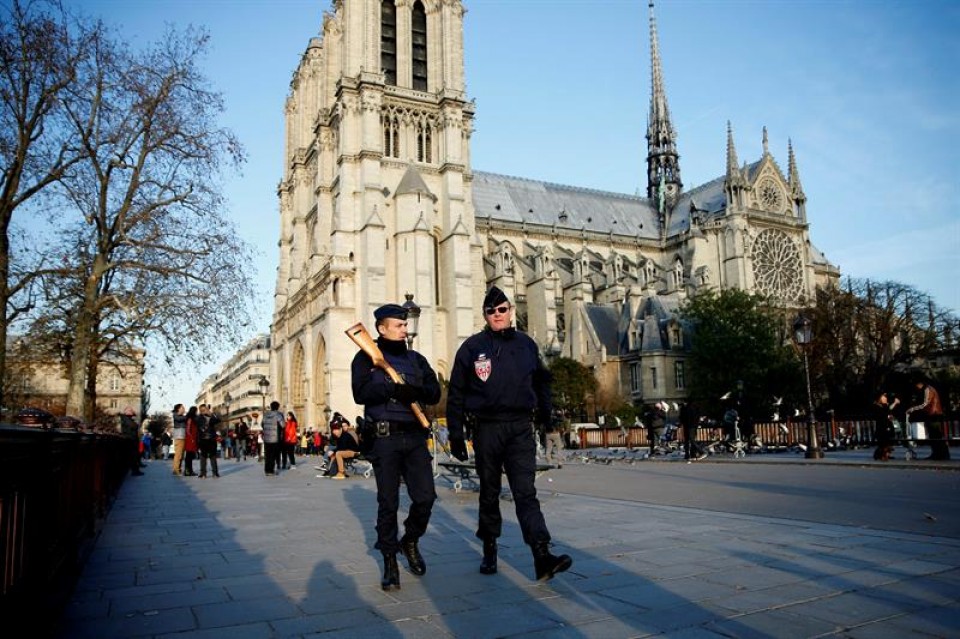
400,447
499,383
500,387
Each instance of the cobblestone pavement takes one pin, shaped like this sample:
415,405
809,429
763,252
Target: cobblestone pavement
291,556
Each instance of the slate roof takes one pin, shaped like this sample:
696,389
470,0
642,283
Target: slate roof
535,202
604,319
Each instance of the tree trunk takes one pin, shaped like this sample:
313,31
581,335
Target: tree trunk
84,344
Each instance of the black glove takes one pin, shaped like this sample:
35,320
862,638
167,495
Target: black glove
458,448
406,393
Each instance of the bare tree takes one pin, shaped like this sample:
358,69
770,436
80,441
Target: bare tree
154,254
869,332
39,53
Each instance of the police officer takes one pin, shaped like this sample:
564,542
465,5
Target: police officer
499,384
400,442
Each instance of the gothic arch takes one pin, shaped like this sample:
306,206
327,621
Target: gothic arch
320,375
297,380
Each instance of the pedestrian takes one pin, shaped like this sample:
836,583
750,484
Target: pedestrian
553,446
689,421
932,411
289,444
131,433
166,441
399,446
191,443
243,438
179,437
883,418
146,445
207,423
498,385
271,425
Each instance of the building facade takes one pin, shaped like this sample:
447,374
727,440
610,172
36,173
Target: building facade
378,200
242,386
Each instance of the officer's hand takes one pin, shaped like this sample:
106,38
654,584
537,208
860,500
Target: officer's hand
458,448
406,393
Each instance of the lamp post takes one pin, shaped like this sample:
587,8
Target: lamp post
803,336
413,319
264,384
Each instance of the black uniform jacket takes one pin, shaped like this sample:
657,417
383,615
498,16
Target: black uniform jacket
497,376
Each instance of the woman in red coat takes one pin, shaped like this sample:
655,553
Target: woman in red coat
192,442
289,442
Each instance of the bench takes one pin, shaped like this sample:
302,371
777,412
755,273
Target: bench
464,474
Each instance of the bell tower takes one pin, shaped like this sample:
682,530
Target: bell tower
376,197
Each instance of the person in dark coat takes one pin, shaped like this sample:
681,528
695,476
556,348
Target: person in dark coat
399,446
501,387
883,418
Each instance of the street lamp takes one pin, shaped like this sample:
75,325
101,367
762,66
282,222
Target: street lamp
264,384
803,336
413,318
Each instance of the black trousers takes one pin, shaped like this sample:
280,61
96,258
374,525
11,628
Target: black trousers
402,455
271,457
510,448
208,450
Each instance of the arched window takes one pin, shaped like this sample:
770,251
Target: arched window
391,136
678,273
424,142
388,41
419,47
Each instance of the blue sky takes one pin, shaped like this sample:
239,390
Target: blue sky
866,90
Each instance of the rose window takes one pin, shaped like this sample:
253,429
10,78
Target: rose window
777,267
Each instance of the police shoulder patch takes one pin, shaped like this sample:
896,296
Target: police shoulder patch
482,367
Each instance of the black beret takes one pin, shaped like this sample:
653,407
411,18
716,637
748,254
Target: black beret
494,297
390,310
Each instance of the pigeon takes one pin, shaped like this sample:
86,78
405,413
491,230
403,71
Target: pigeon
778,401
726,395
796,412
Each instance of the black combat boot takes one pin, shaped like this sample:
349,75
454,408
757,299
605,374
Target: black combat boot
391,573
488,566
414,558
546,564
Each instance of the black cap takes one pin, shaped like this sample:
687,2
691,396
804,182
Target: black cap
390,310
494,297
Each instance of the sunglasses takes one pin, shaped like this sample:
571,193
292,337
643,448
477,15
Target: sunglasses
500,310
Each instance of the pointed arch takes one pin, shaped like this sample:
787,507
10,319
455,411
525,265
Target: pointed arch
388,41
418,46
320,395
297,379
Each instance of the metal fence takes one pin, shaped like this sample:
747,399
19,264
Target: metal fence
772,435
55,489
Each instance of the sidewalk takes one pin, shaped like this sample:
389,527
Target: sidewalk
291,556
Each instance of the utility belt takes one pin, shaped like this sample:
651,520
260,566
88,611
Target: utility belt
386,428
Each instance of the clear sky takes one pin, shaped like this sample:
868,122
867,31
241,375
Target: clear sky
867,91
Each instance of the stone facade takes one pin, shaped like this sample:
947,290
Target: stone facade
378,200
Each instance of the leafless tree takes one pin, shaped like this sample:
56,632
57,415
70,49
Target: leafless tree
154,255
40,49
869,332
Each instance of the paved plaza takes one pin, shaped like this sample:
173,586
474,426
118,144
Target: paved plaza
291,556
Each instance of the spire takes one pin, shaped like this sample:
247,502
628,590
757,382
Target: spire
792,174
766,147
732,161
663,161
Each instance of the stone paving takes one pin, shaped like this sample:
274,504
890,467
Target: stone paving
291,556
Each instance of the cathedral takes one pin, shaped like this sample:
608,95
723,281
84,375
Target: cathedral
378,203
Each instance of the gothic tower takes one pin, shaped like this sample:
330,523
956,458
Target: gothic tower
663,162
375,200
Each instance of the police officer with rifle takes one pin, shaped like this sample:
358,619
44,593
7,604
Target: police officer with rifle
388,379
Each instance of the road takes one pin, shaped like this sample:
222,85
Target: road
894,499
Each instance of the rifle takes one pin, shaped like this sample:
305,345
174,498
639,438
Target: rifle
359,335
